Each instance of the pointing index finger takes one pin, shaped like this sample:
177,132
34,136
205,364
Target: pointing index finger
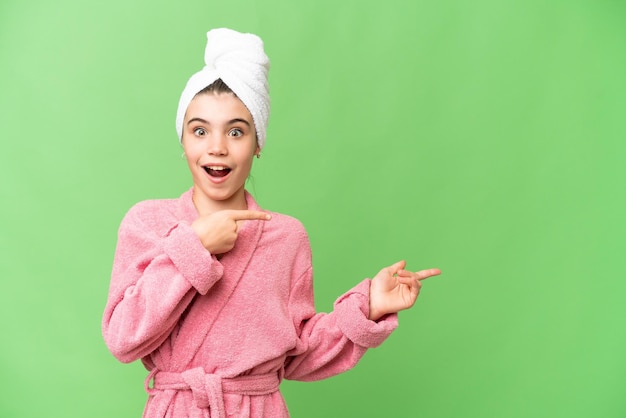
249,215
423,274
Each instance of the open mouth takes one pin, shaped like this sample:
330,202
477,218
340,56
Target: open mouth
216,170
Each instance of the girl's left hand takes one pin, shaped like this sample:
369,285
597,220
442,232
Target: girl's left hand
394,289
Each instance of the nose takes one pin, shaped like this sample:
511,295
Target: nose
217,146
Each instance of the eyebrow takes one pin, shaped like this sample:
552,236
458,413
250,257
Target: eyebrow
230,122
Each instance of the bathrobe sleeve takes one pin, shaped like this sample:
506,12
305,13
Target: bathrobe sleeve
331,343
159,266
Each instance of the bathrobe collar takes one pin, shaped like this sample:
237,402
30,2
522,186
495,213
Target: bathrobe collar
189,213
208,307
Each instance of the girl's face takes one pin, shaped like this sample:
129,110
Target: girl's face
219,140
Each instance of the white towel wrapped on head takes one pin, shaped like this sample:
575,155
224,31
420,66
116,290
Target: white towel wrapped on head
239,60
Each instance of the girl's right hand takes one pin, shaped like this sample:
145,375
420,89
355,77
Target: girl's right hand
218,231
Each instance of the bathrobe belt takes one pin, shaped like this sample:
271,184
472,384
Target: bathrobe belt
208,389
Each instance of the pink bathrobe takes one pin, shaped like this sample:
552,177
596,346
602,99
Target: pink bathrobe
219,336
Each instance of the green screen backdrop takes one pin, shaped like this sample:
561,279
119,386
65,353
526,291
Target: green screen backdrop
483,137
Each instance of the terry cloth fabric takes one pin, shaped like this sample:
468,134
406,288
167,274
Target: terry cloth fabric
208,389
194,318
240,61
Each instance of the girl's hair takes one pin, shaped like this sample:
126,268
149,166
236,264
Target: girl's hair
218,86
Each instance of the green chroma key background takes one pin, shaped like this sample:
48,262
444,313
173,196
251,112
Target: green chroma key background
483,137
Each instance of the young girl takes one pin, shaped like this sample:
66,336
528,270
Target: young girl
214,294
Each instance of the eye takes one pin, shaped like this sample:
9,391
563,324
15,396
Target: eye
235,132
199,131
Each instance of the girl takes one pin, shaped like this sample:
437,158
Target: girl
214,294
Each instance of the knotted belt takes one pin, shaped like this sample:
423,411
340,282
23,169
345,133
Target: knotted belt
208,389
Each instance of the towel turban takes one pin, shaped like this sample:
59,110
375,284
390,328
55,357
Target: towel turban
239,60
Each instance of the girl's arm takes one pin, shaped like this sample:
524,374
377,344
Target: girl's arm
332,343
159,266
